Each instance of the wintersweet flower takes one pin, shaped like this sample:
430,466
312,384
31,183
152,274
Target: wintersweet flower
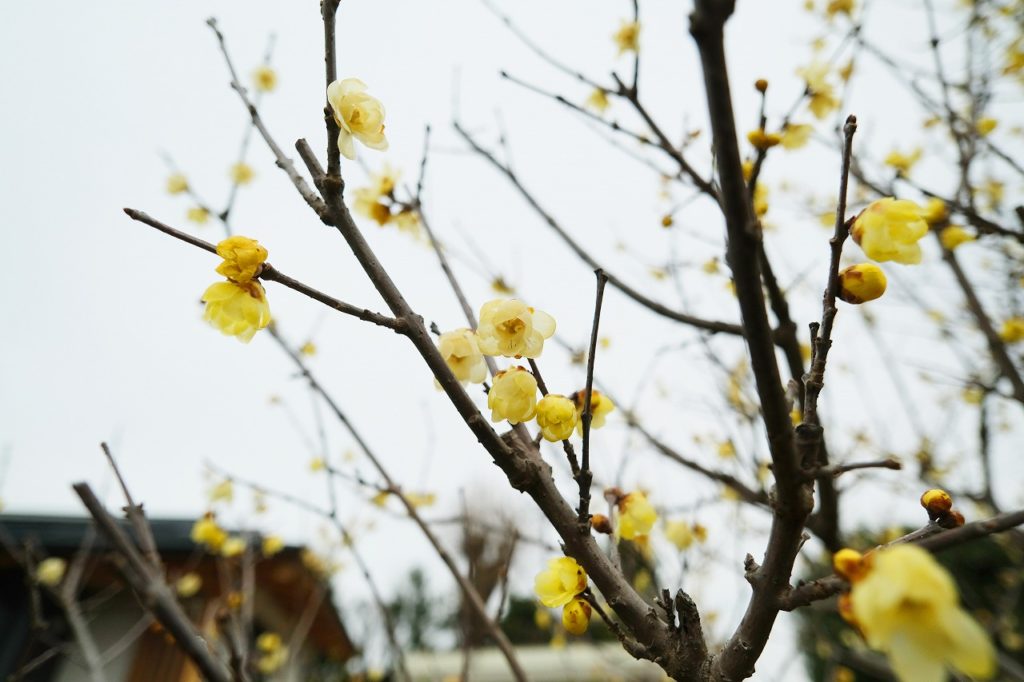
861,283
796,135
821,99
273,653
935,212
760,200
367,202
986,125
198,215
51,571
600,406
461,352
264,78
272,544
903,162
560,582
241,173
206,532
243,258
1013,330
358,116
188,585
235,309
556,417
222,492
510,328
906,605
953,236
636,516
232,547
576,616
889,229
762,140
682,534
627,38
176,183
835,7
513,396
598,101
937,501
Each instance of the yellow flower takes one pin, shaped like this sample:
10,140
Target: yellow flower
273,653
421,499
889,229
358,115
51,571
598,101
903,162
953,236
367,203
680,534
835,7
206,532
935,212
600,406
232,547
762,140
223,491
308,349
627,38
510,328
556,417
237,309
576,616
1013,330
317,464
907,606
560,582
726,450
636,516
760,200
461,352
177,183
242,256
795,135
937,501
264,78
986,125
861,283
188,585
198,215
821,100
500,286
241,173
973,395
272,544
513,396
748,169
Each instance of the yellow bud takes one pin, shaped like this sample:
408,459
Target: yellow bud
666,220
986,125
849,563
1013,330
861,283
51,571
188,585
761,85
762,140
953,236
936,501
576,616
601,524
177,183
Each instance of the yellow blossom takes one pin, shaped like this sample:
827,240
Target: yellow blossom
241,173
795,135
510,328
176,183
726,449
762,140
264,78
760,200
903,162
317,464
560,582
500,286
953,236
50,571
542,618
600,406
747,167
636,515
315,563
223,491
272,544
407,221
576,616
835,7
907,606
198,215
936,501
367,203
358,116
421,499
243,258
973,395
861,283
986,125
821,99
598,100
556,417
273,653
206,532
237,309
889,229
308,349
461,352
680,534
935,212
667,220
627,38
993,192
513,396
232,547
1013,330
700,533
710,266
845,71
188,585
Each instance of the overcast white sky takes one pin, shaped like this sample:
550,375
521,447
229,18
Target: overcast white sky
103,338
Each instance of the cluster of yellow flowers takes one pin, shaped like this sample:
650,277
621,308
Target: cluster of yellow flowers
359,116
238,306
636,516
273,654
906,605
560,585
821,98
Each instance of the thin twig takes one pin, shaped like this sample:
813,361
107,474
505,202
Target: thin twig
586,476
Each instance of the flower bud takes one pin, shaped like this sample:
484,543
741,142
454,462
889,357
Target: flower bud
849,563
937,502
601,524
861,283
951,519
761,85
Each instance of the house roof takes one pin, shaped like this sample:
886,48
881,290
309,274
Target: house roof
283,578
